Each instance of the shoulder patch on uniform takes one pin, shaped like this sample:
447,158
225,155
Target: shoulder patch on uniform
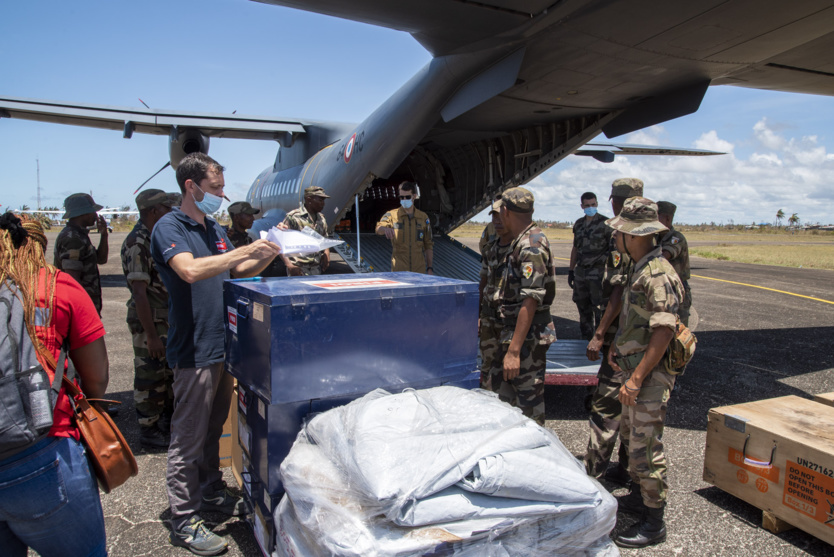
427,220
675,240
616,258
527,270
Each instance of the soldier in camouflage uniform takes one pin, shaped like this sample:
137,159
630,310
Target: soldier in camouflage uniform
604,419
647,326
493,259
309,215
74,253
591,239
147,319
528,287
242,215
676,251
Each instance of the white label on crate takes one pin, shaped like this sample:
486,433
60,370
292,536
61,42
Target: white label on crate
261,409
243,434
258,312
232,318
343,284
260,530
267,500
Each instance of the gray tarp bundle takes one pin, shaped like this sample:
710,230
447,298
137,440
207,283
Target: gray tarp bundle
437,471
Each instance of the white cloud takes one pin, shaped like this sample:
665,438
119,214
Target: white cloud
788,173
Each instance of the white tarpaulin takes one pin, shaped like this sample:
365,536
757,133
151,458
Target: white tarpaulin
295,242
437,470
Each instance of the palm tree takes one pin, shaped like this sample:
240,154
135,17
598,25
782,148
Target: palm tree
780,214
794,220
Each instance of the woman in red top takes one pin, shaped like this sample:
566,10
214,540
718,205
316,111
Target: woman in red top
49,498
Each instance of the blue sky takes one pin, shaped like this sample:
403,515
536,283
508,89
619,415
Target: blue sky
226,55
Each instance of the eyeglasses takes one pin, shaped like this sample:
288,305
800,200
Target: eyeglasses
405,197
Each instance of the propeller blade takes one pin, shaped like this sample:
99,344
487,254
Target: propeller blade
143,102
164,166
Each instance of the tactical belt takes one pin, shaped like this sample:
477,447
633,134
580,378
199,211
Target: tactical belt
539,318
489,311
629,363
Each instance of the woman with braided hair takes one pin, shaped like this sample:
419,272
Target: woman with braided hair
49,498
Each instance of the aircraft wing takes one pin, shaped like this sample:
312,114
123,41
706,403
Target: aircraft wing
651,60
150,121
605,152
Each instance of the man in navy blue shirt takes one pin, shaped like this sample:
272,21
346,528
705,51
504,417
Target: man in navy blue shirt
194,256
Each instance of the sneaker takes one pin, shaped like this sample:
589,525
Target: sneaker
194,535
226,502
152,437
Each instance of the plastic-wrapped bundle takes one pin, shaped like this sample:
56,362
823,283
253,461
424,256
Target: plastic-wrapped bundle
437,471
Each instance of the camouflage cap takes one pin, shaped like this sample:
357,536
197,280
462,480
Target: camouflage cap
666,208
626,187
519,200
638,218
315,190
242,207
175,198
80,204
152,198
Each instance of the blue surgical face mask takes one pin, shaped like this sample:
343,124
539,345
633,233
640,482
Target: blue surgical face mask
210,203
590,211
406,203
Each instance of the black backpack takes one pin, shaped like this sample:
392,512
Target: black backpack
27,400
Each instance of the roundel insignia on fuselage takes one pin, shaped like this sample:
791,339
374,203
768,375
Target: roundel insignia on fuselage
351,144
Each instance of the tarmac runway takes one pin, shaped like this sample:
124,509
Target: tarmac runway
753,344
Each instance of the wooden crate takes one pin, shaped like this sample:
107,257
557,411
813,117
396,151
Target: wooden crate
777,455
825,398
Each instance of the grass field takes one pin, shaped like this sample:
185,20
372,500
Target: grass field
808,248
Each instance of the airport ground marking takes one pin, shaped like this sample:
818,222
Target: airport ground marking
765,288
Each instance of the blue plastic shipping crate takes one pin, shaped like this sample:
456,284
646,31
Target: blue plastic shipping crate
306,338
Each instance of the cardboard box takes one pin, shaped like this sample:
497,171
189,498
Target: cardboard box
825,398
226,444
778,455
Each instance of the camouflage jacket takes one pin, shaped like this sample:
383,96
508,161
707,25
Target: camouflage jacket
297,219
592,241
487,236
493,261
675,243
238,239
138,265
75,252
529,273
650,300
412,237
617,266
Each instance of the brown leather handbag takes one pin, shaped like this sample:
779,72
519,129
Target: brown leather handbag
113,461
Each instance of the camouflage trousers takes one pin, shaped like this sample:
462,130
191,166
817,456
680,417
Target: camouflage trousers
153,393
604,421
683,310
313,269
526,391
587,295
489,335
642,428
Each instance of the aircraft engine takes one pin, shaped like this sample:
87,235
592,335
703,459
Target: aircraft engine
185,141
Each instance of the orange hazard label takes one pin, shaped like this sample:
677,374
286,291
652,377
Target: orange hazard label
767,472
809,492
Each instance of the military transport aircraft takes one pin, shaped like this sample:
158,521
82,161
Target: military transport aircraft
512,89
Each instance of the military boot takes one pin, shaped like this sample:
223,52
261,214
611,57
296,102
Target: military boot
152,438
649,531
631,503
